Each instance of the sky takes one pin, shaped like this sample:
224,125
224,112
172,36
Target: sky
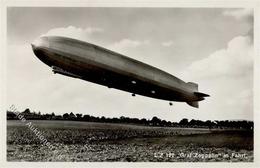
209,46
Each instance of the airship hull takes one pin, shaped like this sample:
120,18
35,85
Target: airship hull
95,64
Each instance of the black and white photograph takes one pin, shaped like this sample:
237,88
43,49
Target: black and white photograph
129,84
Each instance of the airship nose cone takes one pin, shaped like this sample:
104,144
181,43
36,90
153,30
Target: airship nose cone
39,47
40,42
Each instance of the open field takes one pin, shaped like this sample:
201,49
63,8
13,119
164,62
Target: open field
88,141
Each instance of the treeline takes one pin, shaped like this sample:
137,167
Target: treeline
155,121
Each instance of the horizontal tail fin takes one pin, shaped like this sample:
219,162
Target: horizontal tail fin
194,104
199,94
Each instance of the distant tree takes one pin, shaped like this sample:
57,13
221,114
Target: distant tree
11,115
72,116
135,121
127,120
103,119
27,111
58,117
96,119
143,121
86,117
209,124
65,116
156,121
115,120
200,123
122,118
184,121
163,123
169,124
175,124
193,123
47,116
79,116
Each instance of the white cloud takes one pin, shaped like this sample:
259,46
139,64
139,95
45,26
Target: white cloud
85,35
227,75
236,59
125,44
167,43
73,32
239,13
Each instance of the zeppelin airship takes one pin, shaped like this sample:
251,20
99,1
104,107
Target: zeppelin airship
99,65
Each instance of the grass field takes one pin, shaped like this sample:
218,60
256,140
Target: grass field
88,141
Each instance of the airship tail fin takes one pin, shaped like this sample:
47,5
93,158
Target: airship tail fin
194,104
199,94
193,86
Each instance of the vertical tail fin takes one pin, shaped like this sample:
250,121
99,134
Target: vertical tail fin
193,86
194,104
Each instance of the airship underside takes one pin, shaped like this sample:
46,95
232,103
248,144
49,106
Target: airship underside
96,64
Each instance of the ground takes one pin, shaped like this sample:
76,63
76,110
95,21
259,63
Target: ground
90,141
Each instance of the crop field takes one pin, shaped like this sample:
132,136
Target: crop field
97,142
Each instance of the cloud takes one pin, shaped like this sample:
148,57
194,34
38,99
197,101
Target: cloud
74,32
85,35
125,44
227,75
239,13
235,60
167,43
246,14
